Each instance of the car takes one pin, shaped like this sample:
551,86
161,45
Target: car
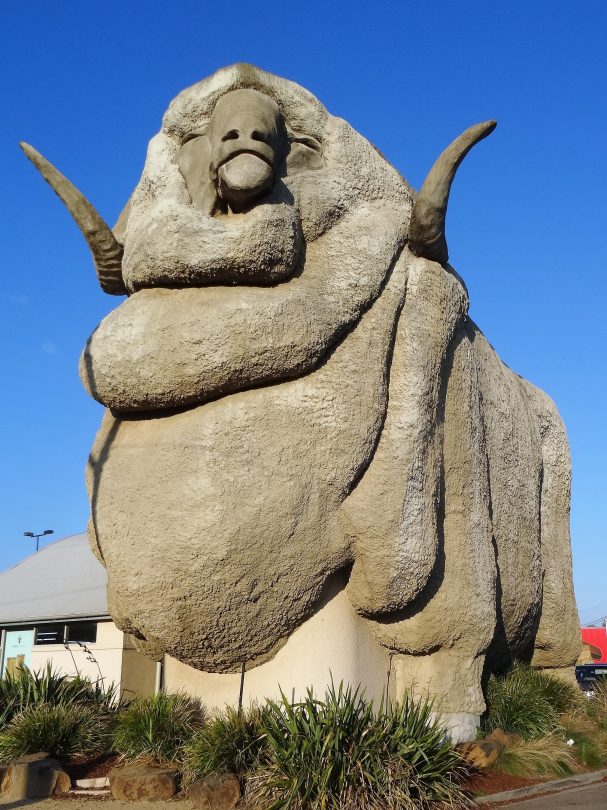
589,676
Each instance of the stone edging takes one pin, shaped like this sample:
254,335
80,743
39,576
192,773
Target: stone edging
99,792
99,782
545,787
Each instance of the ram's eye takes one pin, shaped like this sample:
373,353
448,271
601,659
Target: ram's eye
307,140
231,135
305,154
190,136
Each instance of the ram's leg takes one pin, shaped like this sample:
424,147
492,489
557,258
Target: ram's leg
440,638
557,641
451,678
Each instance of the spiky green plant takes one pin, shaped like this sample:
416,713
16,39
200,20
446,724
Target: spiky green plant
339,753
26,687
62,730
527,702
157,727
230,741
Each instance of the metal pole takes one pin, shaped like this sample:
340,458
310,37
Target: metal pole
158,680
2,646
242,671
38,536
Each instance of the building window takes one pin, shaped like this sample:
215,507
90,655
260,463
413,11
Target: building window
49,634
85,632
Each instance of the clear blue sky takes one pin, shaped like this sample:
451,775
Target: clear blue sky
87,83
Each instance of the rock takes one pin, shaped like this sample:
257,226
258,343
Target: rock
220,791
34,776
37,757
132,783
480,753
64,783
483,753
503,738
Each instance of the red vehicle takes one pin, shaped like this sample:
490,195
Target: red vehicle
595,642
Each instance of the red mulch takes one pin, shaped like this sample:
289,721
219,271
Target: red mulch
87,767
487,782
505,805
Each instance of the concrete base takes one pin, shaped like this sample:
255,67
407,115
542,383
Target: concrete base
461,726
334,644
449,677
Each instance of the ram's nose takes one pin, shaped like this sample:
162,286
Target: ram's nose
246,166
244,178
249,140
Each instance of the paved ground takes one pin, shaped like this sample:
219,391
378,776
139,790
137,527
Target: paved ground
82,803
589,797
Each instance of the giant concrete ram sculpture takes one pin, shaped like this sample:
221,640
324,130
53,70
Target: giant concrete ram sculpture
297,397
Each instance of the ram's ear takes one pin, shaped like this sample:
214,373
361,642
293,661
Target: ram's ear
194,161
305,154
119,229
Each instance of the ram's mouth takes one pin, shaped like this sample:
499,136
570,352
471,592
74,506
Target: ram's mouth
243,176
238,152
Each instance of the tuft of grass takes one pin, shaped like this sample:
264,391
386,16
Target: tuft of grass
586,749
562,695
546,756
26,688
590,742
231,741
596,706
340,754
157,728
63,730
527,702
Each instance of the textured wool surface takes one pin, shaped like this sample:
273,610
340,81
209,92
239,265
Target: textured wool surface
292,393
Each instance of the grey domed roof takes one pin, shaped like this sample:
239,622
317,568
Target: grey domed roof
61,581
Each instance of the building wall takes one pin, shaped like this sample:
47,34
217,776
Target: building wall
112,658
107,652
138,672
334,644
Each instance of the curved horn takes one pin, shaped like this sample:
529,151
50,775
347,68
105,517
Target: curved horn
427,228
106,249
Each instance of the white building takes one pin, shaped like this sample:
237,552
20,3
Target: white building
53,607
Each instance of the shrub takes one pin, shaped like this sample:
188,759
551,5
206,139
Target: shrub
231,741
527,702
590,741
26,688
340,753
157,727
596,706
586,749
546,756
62,730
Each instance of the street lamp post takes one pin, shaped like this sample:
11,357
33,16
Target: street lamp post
38,536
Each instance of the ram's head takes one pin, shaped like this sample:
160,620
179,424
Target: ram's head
261,232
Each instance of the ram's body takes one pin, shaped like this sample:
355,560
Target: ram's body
294,390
